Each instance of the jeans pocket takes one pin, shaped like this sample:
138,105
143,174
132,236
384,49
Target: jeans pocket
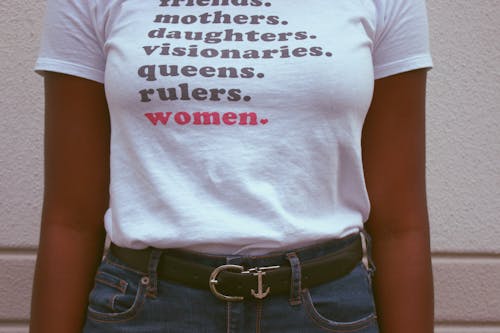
344,305
118,294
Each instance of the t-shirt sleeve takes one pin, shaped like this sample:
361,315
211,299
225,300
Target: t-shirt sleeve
401,38
70,43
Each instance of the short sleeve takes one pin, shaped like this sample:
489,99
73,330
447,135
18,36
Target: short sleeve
401,38
70,42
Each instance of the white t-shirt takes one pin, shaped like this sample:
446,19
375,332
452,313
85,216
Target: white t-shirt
235,124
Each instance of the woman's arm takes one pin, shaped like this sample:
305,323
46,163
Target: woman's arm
75,200
394,161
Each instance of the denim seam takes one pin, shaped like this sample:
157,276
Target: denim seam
326,324
113,302
152,287
122,287
122,316
258,316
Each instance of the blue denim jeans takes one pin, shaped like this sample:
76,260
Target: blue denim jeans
126,300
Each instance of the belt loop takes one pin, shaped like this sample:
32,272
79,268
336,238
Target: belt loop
154,260
295,279
366,244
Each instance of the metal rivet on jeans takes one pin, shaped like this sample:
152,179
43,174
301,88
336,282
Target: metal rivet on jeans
145,280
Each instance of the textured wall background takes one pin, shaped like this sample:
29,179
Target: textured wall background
463,162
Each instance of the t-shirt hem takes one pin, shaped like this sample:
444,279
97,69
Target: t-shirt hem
404,65
53,65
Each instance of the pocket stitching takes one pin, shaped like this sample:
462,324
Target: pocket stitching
120,286
332,325
121,316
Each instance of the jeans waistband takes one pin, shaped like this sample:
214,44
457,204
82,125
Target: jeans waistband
318,263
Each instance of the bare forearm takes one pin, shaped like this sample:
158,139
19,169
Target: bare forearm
403,281
66,264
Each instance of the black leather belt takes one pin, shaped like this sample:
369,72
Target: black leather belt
234,283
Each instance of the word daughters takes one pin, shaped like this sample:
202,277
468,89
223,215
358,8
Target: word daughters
229,35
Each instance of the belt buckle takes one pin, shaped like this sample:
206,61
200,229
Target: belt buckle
259,272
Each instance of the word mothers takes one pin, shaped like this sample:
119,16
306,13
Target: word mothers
218,17
205,118
201,3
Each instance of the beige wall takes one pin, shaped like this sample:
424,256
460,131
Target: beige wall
463,162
